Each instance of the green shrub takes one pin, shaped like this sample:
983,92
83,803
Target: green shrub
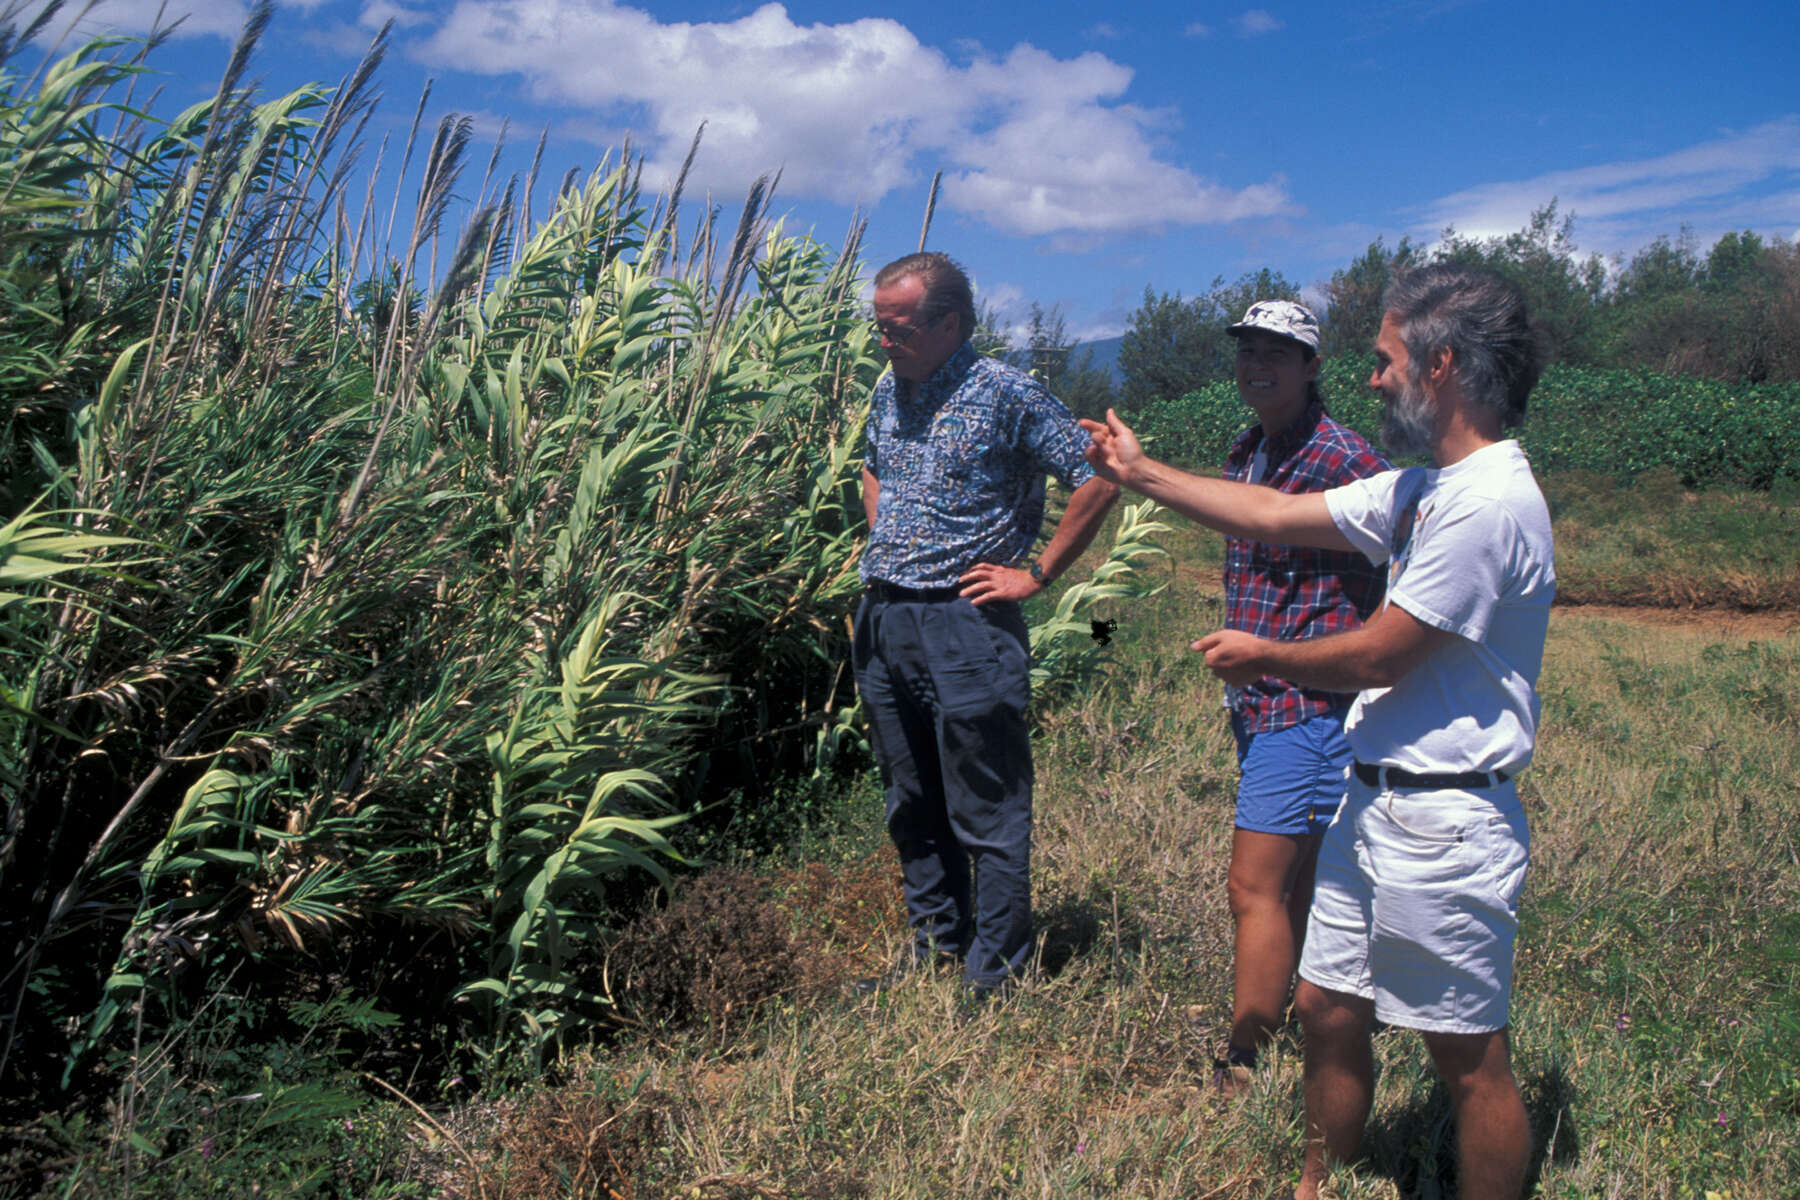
1610,422
336,608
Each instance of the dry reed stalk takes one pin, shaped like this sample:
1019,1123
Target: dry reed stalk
930,208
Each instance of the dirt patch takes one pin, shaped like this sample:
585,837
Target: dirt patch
1762,623
1758,622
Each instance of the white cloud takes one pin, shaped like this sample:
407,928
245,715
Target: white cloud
377,13
134,18
1257,21
223,18
1749,179
1197,29
1104,30
1030,143
350,39
1007,300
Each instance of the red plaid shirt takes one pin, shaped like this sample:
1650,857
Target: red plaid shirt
1291,593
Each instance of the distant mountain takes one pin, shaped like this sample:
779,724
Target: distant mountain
1105,352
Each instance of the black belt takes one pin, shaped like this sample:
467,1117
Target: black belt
880,589
1374,776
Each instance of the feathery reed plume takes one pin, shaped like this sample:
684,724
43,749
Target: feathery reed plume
487,176
743,250
496,252
412,139
228,131
671,224
352,102
531,174
13,39
52,7
443,164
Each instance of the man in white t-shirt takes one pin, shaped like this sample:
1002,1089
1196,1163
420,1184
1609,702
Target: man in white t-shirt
1416,902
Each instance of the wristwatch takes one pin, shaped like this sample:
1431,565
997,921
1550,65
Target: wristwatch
1036,570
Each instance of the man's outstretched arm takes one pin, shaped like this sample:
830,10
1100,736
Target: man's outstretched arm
1249,511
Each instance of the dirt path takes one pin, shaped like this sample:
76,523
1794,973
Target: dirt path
1774,622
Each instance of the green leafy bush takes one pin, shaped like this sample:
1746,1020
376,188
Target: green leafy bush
330,608
1611,422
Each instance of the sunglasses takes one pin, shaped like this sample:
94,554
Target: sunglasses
899,335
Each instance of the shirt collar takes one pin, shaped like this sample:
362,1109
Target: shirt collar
945,379
1295,435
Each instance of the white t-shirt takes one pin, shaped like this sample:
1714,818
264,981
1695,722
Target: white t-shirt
1477,561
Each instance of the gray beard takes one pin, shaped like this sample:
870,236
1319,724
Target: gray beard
1406,420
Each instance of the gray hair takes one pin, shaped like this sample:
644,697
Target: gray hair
946,286
1480,317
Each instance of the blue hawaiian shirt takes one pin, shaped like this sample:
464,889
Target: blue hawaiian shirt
961,461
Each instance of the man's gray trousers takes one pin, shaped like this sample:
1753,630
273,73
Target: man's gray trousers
945,685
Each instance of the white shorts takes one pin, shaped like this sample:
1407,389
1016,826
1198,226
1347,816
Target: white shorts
1416,905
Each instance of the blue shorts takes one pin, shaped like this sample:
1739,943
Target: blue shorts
1293,779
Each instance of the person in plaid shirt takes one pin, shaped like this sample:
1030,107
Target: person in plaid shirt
1292,754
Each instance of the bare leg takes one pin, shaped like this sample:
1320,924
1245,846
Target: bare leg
1493,1134
1270,886
1339,1079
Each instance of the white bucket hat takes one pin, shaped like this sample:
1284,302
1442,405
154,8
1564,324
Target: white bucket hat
1282,317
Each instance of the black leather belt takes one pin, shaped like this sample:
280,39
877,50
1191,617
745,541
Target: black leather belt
1375,776
882,590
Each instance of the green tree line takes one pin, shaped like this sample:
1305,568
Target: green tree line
1706,432
1730,313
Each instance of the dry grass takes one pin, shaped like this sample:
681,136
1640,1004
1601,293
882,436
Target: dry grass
1651,1000
1657,1000
1657,544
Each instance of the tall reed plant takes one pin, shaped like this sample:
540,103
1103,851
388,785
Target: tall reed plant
369,614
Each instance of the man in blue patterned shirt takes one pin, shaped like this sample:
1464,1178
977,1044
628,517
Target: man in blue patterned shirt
953,486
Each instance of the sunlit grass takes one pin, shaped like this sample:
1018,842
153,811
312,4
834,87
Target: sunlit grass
1655,1007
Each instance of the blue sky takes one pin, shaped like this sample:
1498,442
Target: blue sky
1090,150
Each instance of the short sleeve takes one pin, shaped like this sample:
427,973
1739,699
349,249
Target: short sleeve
872,426
1053,439
1364,511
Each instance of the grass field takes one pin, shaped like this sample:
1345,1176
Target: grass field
1657,1002
1656,1008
